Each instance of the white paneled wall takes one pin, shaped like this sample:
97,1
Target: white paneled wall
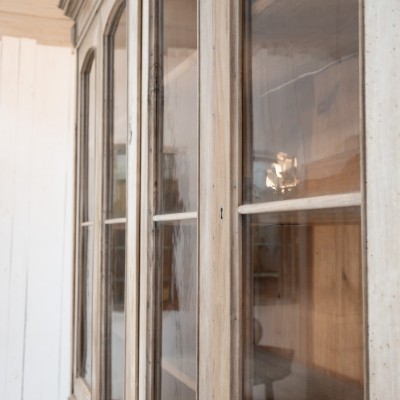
36,219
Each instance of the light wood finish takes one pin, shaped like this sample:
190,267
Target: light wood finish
382,80
87,223
218,345
311,203
81,390
133,201
215,202
93,39
115,221
40,20
174,217
146,205
88,10
336,329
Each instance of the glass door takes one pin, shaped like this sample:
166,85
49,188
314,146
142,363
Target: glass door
172,156
303,315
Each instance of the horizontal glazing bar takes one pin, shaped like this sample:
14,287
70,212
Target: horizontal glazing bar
311,203
174,217
87,223
115,221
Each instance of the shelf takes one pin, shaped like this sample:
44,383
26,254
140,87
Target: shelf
170,366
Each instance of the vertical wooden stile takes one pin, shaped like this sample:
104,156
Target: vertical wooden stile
382,124
133,201
215,203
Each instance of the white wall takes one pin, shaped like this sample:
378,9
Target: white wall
36,219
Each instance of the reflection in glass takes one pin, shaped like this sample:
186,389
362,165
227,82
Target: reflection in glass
177,122
88,136
176,374
304,311
86,306
115,253
118,134
301,97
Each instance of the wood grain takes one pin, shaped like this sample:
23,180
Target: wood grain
133,201
382,124
215,201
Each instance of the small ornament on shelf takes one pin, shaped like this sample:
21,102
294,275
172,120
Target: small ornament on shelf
282,176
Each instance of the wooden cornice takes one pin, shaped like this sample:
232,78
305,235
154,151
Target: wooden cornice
71,7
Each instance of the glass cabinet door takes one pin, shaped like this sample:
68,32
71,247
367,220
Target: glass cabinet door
303,314
86,220
301,99
115,208
174,221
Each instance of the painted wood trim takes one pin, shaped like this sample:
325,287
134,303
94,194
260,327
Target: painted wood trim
175,217
382,124
215,225
133,201
302,204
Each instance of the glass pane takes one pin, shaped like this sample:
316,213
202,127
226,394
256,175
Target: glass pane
117,153
88,154
177,123
176,375
301,99
304,306
115,252
86,304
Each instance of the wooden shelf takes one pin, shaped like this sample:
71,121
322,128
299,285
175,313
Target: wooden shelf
170,366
